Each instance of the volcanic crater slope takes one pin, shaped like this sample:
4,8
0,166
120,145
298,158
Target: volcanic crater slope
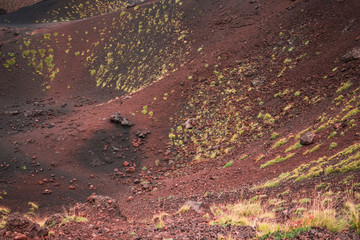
180,119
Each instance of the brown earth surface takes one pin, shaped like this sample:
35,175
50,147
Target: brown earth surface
237,71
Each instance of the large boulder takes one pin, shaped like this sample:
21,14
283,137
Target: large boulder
307,138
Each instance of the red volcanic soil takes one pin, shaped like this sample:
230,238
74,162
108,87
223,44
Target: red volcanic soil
11,6
58,145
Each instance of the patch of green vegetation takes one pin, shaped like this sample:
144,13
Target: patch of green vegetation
279,235
288,107
304,201
279,143
261,156
228,164
333,145
49,59
351,113
77,219
274,136
297,93
332,135
344,86
9,63
47,36
144,111
293,147
350,162
339,98
314,149
277,160
243,157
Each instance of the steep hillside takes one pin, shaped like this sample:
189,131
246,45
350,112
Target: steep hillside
237,119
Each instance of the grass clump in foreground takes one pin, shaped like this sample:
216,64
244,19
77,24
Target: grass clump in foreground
160,219
316,214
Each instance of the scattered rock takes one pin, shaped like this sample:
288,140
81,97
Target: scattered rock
12,113
130,170
351,55
118,118
198,207
72,187
21,225
47,192
258,81
189,123
33,113
116,149
307,138
350,24
96,162
141,133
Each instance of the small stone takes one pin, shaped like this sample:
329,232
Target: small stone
40,182
351,55
189,123
307,138
130,170
256,82
130,198
136,181
126,163
72,187
47,192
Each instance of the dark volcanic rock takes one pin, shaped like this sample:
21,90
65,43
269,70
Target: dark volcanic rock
3,11
118,118
141,133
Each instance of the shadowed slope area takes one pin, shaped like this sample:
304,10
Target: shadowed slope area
64,10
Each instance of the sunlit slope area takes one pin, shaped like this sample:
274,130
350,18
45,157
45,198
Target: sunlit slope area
124,50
